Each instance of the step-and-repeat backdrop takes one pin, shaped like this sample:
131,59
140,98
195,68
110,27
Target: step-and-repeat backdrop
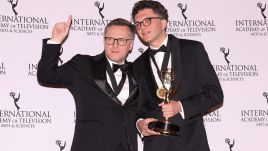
235,35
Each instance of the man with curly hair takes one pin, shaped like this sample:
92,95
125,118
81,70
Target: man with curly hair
195,90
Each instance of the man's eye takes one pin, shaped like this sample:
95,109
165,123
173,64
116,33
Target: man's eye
147,20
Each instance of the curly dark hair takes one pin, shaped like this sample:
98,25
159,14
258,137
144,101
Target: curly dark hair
156,6
121,22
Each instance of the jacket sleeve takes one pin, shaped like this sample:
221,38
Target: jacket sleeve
210,94
48,72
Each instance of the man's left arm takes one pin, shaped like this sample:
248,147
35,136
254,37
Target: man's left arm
210,95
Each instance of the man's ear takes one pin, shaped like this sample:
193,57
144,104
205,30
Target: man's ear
131,46
164,24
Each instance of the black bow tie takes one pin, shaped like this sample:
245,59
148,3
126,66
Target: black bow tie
161,49
122,67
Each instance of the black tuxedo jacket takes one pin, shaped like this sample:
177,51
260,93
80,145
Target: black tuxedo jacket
196,86
102,123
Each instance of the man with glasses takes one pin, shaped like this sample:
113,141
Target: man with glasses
103,87
195,90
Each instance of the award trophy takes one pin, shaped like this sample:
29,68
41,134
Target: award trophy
165,127
265,94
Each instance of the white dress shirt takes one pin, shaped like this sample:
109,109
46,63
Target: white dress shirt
159,56
124,93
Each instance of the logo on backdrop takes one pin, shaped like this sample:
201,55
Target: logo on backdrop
16,23
225,53
229,143
141,50
97,4
254,26
262,9
58,142
15,99
20,118
32,69
183,10
234,72
186,27
212,117
14,5
91,26
2,69
265,94
254,116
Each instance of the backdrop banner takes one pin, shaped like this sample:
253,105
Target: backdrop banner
234,33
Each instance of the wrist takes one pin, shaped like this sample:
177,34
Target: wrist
52,41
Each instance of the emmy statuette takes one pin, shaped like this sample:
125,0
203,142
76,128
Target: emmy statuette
165,127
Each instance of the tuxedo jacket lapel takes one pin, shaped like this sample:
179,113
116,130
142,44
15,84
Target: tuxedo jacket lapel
149,78
176,65
132,92
101,79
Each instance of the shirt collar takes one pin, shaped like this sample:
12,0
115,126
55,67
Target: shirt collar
112,62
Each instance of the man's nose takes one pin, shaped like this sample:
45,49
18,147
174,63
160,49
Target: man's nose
115,44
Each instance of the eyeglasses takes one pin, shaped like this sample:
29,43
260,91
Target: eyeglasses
146,22
120,41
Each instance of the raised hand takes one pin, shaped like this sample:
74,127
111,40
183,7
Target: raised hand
61,30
